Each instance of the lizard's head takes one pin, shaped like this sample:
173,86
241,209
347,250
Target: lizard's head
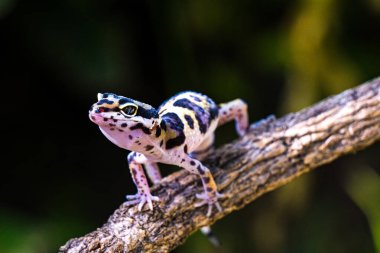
120,113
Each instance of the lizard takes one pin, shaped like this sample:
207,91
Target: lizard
180,132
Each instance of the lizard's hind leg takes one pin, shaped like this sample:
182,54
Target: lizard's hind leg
234,110
210,195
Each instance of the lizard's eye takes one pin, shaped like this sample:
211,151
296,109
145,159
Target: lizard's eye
128,110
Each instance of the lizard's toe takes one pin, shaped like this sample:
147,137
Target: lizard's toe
210,200
141,199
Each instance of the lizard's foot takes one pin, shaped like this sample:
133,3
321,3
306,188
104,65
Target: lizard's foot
210,199
141,198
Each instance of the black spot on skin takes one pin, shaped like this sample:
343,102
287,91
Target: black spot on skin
163,125
196,98
111,125
105,119
182,160
158,131
147,113
192,163
209,189
148,147
206,179
114,120
125,100
161,142
200,115
130,137
185,149
177,141
112,129
121,130
104,101
200,170
190,121
175,123
124,125
141,127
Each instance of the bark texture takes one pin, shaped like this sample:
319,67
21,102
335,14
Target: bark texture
273,153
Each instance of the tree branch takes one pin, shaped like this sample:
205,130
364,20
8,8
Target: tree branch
272,154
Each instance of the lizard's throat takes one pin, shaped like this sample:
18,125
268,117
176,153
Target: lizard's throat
132,138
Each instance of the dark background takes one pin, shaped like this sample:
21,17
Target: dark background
61,178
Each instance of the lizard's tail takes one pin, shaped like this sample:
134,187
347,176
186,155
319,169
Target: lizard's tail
210,235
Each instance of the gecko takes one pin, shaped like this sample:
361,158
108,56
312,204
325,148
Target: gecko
180,132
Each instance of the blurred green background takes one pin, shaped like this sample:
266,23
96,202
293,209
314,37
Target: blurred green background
61,178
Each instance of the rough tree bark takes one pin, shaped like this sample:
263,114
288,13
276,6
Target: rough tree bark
273,153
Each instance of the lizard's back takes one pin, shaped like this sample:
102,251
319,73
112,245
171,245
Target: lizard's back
190,118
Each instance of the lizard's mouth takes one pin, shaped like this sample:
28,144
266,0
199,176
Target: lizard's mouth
110,122
94,117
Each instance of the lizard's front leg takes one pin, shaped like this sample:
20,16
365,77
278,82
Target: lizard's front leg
143,194
210,195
